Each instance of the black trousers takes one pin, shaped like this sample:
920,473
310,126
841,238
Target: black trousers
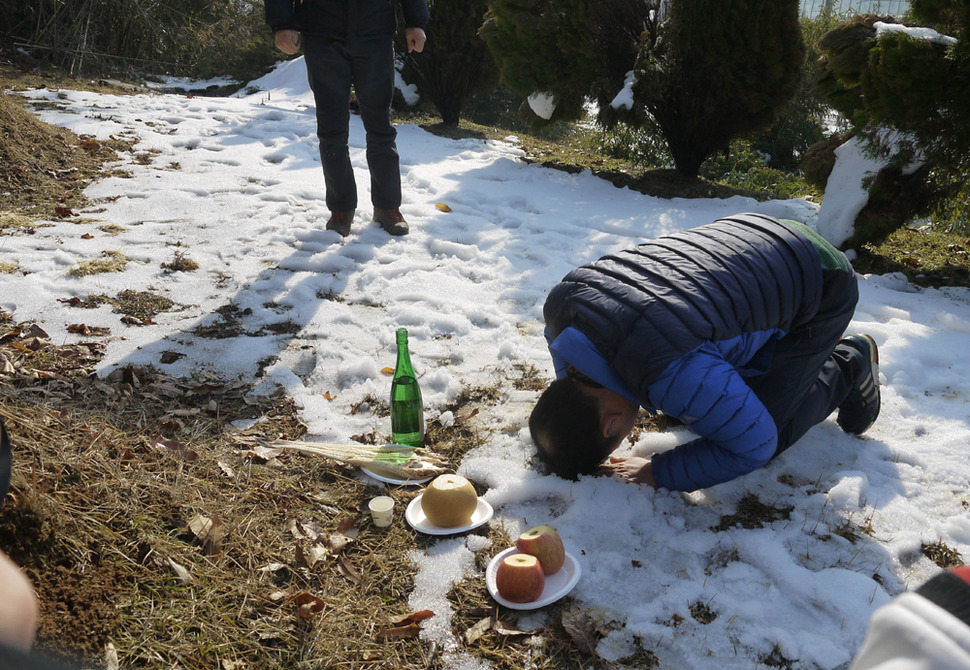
811,373
332,67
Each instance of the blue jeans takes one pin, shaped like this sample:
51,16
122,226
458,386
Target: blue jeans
332,67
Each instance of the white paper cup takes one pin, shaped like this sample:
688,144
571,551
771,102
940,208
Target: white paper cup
381,510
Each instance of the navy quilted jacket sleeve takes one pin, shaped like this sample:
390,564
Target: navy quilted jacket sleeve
681,320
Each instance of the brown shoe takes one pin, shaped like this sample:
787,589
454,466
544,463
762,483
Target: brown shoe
340,221
391,220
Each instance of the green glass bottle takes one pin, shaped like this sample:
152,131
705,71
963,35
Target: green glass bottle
407,408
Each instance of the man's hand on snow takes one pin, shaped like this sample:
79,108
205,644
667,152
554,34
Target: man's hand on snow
633,469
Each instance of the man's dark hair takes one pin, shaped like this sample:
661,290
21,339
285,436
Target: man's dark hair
565,428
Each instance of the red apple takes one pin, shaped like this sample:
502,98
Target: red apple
519,578
544,543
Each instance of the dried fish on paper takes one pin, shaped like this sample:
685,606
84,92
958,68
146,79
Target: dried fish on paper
397,459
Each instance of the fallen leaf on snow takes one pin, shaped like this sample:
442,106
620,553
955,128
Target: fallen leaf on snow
462,419
442,207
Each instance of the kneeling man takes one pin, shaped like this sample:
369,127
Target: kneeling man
736,328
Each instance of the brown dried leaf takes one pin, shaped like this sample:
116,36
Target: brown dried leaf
226,469
307,605
111,657
194,411
305,529
209,531
277,596
400,632
462,419
181,572
173,446
310,556
412,617
508,630
346,524
347,569
475,632
315,554
262,454
387,371
580,629
338,541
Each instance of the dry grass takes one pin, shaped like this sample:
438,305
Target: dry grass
113,261
113,478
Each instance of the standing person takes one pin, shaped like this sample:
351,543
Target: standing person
351,42
735,328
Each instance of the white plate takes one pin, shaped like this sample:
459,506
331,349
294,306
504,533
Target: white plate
415,516
557,585
389,478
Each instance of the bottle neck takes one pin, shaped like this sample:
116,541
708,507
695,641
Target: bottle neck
403,367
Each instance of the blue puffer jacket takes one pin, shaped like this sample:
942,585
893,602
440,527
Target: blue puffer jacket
348,20
675,324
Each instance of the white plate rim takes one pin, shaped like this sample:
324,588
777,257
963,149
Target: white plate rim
546,598
391,480
419,522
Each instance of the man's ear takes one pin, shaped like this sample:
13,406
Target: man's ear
607,419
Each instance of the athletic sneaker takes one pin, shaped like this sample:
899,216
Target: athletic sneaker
391,220
340,221
861,407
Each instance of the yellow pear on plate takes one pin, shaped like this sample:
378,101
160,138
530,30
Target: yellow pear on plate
449,501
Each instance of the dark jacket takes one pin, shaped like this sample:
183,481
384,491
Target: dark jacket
348,20
676,323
